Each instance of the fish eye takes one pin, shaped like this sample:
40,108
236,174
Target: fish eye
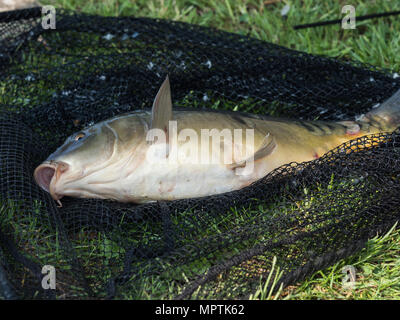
79,136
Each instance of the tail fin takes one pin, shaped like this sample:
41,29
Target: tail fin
387,115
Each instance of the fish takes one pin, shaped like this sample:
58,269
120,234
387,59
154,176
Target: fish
161,154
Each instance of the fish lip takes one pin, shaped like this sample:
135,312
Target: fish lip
42,178
47,174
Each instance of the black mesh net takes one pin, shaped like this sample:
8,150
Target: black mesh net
308,216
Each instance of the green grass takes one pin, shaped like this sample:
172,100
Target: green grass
377,269
377,274
373,42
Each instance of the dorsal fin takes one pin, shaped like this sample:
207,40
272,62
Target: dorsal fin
161,112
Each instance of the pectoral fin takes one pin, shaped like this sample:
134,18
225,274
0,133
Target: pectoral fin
267,147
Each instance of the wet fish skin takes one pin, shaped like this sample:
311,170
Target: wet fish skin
109,160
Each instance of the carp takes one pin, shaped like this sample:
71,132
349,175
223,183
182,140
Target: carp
161,154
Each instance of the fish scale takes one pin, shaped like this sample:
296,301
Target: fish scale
164,155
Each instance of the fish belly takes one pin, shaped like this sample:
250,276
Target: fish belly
295,142
168,182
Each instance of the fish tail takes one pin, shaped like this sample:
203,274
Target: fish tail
386,116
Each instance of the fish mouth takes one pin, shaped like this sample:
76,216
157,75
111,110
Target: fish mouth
47,174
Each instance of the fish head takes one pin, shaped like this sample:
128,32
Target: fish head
81,154
92,162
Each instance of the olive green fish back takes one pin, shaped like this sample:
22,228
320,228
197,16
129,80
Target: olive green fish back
53,82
